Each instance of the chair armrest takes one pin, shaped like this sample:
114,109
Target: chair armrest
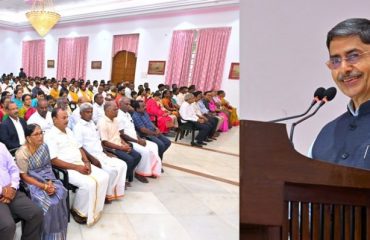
12,151
62,174
23,187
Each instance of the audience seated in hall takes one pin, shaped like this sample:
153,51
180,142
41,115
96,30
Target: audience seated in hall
12,129
92,182
86,134
108,144
48,193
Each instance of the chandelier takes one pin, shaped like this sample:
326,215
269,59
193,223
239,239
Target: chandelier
41,17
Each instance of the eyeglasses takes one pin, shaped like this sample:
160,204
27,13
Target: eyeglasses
352,58
38,134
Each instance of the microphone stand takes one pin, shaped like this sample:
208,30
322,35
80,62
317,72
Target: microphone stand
296,116
301,120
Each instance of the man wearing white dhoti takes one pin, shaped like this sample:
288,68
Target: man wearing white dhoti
86,133
150,164
67,153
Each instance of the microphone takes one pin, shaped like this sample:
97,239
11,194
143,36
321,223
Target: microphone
318,96
328,96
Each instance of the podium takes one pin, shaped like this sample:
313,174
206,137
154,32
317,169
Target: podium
285,195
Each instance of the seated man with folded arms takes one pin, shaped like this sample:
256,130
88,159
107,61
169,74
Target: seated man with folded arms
150,164
42,116
188,115
15,203
147,129
86,133
12,129
67,153
110,137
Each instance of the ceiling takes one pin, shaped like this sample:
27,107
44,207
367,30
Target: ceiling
12,12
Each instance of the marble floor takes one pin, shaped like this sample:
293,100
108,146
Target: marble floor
180,204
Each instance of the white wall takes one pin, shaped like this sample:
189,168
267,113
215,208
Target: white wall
154,44
282,59
11,52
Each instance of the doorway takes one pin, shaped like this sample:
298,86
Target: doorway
123,67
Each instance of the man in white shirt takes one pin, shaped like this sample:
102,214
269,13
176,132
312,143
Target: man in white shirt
180,97
12,129
98,107
67,153
129,87
42,117
86,133
189,116
150,164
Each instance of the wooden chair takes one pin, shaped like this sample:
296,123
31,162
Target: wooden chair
285,195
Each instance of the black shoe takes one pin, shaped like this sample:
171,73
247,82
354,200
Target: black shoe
78,218
208,140
194,144
162,171
202,143
141,178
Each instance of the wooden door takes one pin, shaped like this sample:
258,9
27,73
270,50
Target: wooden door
123,67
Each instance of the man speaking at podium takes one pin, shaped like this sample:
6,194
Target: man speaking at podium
346,140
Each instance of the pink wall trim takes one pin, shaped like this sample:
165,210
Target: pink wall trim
186,12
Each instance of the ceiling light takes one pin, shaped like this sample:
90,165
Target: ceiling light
41,17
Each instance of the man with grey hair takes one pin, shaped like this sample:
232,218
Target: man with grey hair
345,140
86,133
189,116
75,116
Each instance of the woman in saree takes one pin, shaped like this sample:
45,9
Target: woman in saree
234,119
46,191
153,108
27,110
168,104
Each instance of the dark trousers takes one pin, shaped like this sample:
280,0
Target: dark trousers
204,131
132,159
212,122
162,142
24,209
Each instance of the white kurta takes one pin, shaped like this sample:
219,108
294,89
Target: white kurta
90,195
45,123
86,133
150,164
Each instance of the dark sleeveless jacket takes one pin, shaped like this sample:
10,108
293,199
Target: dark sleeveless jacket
346,140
